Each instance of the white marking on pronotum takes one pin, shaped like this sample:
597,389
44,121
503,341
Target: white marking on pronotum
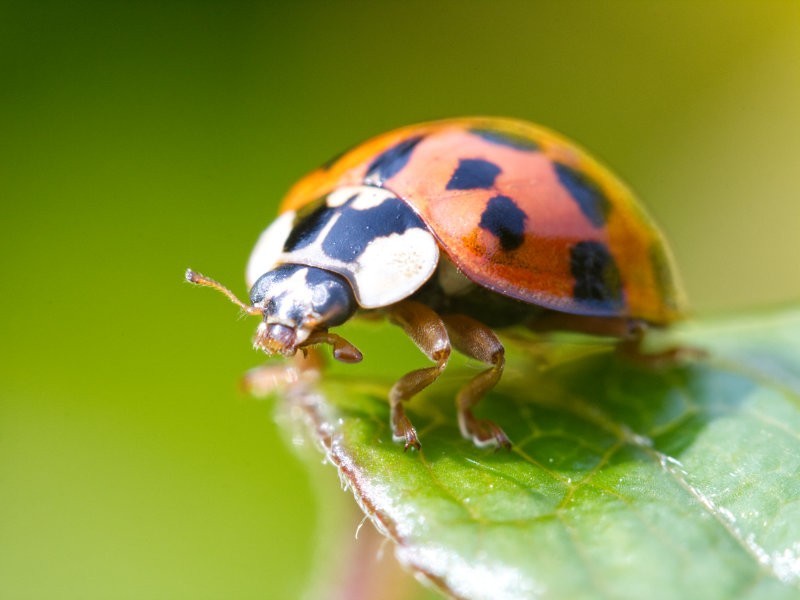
369,197
268,248
268,251
389,269
364,197
394,267
340,196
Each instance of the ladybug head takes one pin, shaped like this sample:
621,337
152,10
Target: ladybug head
295,301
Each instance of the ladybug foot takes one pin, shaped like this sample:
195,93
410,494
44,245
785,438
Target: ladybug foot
483,433
403,431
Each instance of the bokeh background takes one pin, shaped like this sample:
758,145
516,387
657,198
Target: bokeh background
139,138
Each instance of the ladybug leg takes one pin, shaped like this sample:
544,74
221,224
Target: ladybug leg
476,340
305,365
550,321
427,331
343,350
630,346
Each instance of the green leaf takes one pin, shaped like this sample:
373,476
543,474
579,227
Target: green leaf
625,481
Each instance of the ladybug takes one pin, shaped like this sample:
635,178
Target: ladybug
452,229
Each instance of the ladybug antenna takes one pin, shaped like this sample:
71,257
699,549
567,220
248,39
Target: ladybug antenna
198,279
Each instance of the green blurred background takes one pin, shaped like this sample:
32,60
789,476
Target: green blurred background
139,138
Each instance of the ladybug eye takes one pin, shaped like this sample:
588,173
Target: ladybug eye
331,296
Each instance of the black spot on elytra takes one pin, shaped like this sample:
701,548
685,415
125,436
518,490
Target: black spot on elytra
307,227
473,173
597,279
504,220
391,162
503,138
590,198
355,229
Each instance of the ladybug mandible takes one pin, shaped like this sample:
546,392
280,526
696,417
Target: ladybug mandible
451,229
